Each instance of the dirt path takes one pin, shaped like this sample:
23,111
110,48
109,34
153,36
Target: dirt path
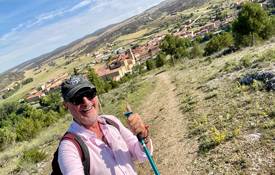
173,152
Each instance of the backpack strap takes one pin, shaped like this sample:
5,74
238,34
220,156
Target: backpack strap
111,122
82,149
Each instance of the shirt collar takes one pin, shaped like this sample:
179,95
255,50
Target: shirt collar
82,131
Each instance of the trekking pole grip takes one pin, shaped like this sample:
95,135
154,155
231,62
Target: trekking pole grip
139,136
140,139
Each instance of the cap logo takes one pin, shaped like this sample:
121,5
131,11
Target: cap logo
75,80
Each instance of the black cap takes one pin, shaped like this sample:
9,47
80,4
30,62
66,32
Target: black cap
70,86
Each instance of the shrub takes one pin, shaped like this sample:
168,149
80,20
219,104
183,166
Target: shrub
150,65
30,158
211,95
206,146
246,61
161,59
229,65
33,156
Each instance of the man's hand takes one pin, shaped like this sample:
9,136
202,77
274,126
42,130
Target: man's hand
135,124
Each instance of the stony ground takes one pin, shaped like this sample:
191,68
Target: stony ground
173,152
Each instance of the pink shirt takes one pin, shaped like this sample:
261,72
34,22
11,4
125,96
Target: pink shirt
104,160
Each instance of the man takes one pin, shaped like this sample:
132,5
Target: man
111,150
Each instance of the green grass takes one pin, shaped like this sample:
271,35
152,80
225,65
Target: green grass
132,92
232,111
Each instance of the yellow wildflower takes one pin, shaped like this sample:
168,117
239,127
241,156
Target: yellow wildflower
205,119
227,116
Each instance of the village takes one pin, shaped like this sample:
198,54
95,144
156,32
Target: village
126,60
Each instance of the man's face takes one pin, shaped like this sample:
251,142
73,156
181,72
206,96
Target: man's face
86,112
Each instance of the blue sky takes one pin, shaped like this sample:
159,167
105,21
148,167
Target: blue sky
30,28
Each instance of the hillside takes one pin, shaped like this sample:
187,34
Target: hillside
201,120
155,20
109,33
209,115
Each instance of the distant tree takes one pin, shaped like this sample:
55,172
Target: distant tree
135,46
75,72
223,16
196,50
6,137
139,68
50,99
161,59
114,84
96,81
178,25
174,45
228,27
212,46
252,19
111,58
217,43
150,65
124,79
226,40
208,36
27,129
199,39
107,86
187,42
26,81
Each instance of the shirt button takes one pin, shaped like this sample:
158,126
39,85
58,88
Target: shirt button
119,138
125,172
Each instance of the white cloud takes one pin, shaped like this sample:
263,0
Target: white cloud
81,4
34,42
43,17
12,33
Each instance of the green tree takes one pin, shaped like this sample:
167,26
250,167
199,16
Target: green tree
212,46
161,59
169,46
139,68
6,137
75,72
27,129
217,43
187,42
196,50
174,45
111,58
199,39
107,86
150,65
96,81
252,19
178,25
28,80
114,84
226,40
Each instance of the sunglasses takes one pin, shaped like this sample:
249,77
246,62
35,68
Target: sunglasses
78,98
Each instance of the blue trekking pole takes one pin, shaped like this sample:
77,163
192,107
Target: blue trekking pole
140,139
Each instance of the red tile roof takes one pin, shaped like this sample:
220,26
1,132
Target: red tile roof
35,95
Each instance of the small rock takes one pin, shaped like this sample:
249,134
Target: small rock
254,137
